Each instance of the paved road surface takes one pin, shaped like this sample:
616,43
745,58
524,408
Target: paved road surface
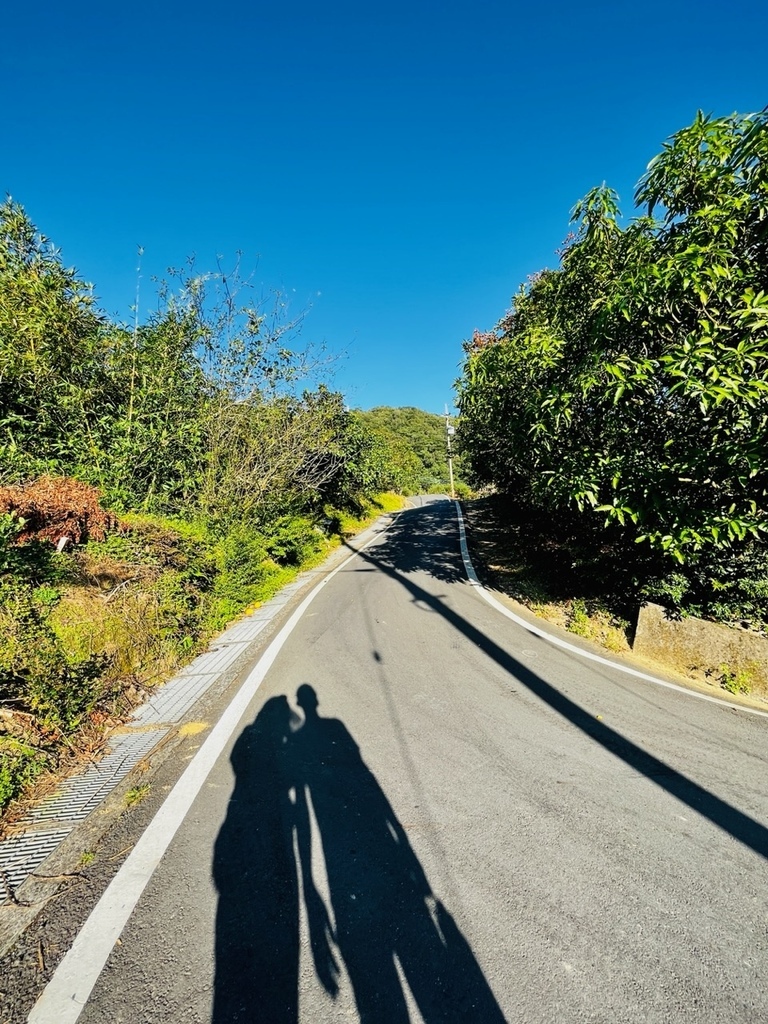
427,813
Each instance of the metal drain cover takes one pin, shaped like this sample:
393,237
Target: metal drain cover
20,855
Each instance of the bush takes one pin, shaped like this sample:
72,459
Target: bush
725,585
292,540
36,673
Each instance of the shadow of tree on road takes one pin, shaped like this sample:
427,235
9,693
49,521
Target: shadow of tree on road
424,540
406,552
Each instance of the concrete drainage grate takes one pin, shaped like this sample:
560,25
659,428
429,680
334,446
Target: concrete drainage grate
20,855
244,631
174,700
73,802
79,795
213,662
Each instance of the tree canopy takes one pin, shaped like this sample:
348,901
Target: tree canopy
210,407
632,380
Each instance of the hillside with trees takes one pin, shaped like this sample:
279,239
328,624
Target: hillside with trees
624,397
416,446
157,478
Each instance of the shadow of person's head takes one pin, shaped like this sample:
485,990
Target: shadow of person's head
261,741
306,698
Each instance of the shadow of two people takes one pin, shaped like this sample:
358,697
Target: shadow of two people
383,909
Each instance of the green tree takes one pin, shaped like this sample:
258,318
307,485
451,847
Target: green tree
51,352
210,408
633,379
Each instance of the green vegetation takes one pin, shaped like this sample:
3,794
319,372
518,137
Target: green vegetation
735,681
624,398
157,479
136,794
553,565
414,445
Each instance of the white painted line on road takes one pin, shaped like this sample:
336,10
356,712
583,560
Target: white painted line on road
558,642
64,998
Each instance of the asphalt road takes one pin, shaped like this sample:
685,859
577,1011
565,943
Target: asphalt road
429,814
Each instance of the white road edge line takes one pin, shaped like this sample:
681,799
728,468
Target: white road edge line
66,994
558,642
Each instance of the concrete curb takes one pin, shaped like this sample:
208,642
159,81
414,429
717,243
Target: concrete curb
573,648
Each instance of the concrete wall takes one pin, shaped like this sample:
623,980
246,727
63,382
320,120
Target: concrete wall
704,647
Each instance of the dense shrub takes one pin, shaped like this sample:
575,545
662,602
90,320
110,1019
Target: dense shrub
631,383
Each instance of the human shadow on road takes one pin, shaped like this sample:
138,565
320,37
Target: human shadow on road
383,922
402,555
257,918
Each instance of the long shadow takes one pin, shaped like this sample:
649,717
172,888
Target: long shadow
403,554
383,923
257,917
435,551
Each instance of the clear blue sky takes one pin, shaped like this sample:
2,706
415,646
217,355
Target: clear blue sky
402,166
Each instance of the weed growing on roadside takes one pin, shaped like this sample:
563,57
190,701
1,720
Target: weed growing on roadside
578,619
20,764
735,680
589,619
136,794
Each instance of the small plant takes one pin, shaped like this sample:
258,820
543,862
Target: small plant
593,621
136,794
11,525
20,763
87,857
578,619
46,597
735,680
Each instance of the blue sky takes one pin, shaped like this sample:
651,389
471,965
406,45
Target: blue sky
401,167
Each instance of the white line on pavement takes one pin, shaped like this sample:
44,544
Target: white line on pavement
64,998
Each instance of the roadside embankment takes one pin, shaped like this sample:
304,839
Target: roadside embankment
91,625
544,575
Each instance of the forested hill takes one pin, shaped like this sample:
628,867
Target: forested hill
417,446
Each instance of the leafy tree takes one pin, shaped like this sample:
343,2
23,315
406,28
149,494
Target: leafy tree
147,448
633,379
206,409
51,365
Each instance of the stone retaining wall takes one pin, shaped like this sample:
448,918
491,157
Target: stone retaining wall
696,645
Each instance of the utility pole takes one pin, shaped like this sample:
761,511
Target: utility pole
450,430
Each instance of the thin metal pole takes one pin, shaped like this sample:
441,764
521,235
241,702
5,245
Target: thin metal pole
448,433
